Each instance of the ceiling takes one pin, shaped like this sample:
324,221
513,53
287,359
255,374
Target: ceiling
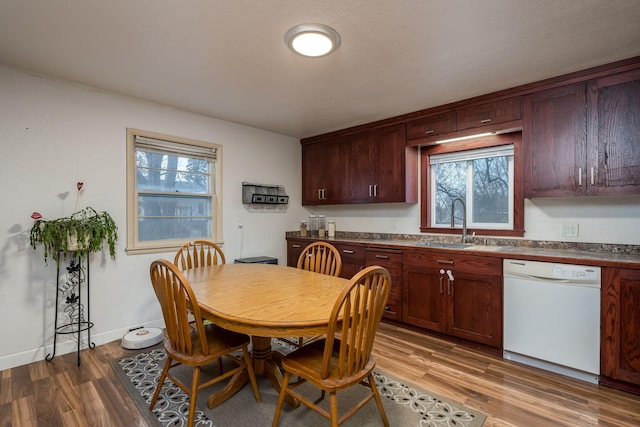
227,58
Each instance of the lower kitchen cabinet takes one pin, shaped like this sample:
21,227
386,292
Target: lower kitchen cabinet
620,340
391,260
459,295
353,258
294,249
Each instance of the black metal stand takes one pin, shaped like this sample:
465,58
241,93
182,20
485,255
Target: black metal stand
71,290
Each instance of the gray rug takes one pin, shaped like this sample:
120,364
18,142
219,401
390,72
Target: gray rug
405,404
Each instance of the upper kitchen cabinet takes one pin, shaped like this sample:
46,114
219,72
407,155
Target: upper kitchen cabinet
325,168
369,166
383,169
583,139
436,124
613,134
492,113
496,116
553,140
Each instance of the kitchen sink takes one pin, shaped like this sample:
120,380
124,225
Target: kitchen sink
447,245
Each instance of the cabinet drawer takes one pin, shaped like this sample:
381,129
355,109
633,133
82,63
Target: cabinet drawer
461,263
431,125
488,114
351,253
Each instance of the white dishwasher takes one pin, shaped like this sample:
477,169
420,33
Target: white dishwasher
552,317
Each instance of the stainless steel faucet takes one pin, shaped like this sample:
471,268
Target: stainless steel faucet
464,217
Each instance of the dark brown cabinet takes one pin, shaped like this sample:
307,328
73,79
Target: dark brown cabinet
390,259
325,167
553,140
620,340
371,166
613,134
294,249
379,162
352,256
583,139
435,124
491,113
460,295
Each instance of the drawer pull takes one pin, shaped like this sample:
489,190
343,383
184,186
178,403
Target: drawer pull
382,256
348,251
429,132
445,261
485,121
295,246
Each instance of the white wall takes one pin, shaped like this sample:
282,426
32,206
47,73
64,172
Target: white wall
53,134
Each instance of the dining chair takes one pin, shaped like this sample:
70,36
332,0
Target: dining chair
319,257
333,364
199,253
195,344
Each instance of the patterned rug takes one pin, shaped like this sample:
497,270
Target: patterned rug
405,404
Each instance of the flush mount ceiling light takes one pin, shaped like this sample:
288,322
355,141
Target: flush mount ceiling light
312,40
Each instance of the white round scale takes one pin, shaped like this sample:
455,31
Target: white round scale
142,338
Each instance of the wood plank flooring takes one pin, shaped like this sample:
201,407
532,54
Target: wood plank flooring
59,393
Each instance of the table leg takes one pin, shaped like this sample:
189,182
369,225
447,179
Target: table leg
264,364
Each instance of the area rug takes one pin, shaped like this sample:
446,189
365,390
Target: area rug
405,404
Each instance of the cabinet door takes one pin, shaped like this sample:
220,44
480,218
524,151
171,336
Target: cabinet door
431,125
392,261
488,114
553,139
325,167
614,134
363,159
620,341
475,308
423,291
394,178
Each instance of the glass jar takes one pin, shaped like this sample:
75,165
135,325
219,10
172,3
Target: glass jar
303,228
322,225
313,222
331,228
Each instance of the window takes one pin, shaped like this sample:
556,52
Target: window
483,174
482,178
173,190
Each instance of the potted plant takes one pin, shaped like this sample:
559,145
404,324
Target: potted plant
85,231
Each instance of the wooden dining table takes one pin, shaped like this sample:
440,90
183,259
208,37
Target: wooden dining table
265,301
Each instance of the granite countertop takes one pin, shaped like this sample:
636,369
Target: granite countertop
606,255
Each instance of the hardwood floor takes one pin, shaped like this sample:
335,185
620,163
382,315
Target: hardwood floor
59,393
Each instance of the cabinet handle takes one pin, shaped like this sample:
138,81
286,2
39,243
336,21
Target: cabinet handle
382,256
295,246
324,194
485,121
429,132
593,176
579,177
370,192
375,190
445,261
441,288
348,251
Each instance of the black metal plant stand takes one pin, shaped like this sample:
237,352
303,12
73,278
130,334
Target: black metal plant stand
70,290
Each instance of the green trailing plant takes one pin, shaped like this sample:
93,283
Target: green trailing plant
90,229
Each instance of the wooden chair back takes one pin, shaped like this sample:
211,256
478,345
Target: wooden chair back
198,254
356,316
321,257
177,301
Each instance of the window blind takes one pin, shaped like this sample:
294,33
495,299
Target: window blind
482,153
175,148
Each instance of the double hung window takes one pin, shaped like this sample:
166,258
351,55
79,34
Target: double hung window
173,191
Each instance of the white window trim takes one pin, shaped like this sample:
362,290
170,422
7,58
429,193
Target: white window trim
504,150
133,245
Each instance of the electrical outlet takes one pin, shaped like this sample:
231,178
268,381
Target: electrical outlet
569,230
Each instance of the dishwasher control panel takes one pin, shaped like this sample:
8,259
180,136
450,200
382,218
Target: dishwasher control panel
553,272
575,272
